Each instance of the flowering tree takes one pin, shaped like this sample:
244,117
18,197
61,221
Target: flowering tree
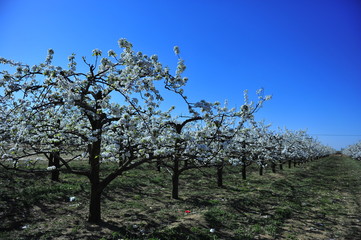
200,139
191,143
231,137
299,147
258,144
353,151
109,112
250,145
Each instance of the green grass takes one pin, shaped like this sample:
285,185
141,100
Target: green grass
317,200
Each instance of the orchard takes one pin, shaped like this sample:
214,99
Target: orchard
114,113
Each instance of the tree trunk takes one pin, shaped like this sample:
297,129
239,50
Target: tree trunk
175,185
261,170
220,175
175,180
244,172
94,177
55,158
281,166
94,148
54,161
158,165
273,166
95,204
186,163
289,163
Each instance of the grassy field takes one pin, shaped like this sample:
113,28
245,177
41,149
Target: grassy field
317,200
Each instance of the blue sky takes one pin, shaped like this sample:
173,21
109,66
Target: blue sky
307,53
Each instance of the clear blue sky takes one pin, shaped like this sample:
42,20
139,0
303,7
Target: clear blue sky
306,53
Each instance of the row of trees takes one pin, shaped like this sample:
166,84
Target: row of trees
265,147
113,112
353,151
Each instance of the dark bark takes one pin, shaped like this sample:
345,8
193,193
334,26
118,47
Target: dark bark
273,166
94,177
281,166
158,165
261,170
244,171
55,157
56,162
220,175
95,204
175,179
176,157
289,163
175,185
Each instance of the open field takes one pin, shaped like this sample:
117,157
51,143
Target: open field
317,200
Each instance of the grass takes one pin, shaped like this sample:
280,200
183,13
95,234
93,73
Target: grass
317,200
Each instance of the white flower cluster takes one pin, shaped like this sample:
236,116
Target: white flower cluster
113,113
353,151
260,145
51,168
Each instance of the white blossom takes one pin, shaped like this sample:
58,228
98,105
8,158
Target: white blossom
50,168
